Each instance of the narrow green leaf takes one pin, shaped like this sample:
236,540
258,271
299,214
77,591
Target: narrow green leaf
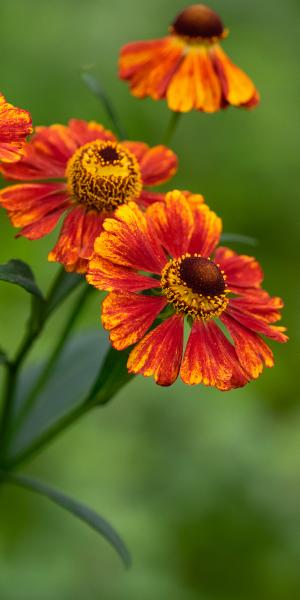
64,285
240,239
79,510
19,273
3,357
98,90
112,376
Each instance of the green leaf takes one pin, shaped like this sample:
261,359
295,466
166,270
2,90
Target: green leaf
240,239
67,388
98,90
19,273
79,510
112,376
64,285
3,357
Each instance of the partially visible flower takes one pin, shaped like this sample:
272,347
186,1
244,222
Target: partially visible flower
87,173
163,266
15,126
188,68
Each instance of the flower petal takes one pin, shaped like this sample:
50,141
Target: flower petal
158,165
35,206
15,126
150,65
83,132
253,353
147,198
159,353
237,87
181,90
76,240
104,275
242,271
172,223
207,230
210,359
255,323
128,316
208,96
128,241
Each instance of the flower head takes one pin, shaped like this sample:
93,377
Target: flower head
188,67
15,126
163,268
80,169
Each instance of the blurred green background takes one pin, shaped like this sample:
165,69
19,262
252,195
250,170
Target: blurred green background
203,486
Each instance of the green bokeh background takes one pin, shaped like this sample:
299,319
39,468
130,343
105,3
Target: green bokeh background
203,486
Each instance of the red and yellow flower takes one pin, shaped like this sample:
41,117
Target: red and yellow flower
188,67
82,170
163,266
15,126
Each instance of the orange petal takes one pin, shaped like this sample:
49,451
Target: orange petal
208,96
255,323
158,165
172,223
237,87
242,271
15,126
159,353
128,241
104,275
83,132
76,240
128,316
252,351
139,149
147,198
207,229
210,359
28,205
149,66
181,90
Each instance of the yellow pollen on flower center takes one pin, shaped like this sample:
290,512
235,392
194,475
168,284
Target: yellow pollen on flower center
195,286
102,175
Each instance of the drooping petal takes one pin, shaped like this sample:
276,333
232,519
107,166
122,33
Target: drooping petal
258,302
210,359
237,87
150,65
253,353
158,165
128,241
242,271
128,316
172,223
35,206
208,97
256,323
207,230
76,240
159,353
181,90
104,275
15,126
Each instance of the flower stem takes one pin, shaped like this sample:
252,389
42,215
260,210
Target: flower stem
171,128
56,353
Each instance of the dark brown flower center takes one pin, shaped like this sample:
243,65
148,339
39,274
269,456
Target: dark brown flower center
198,21
202,276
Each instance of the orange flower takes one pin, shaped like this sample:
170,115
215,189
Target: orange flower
87,173
163,266
188,68
15,125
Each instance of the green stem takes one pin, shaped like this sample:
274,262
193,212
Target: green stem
171,128
56,353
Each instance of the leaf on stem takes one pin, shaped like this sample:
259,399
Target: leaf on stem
19,273
98,90
77,509
240,239
112,376
64,285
